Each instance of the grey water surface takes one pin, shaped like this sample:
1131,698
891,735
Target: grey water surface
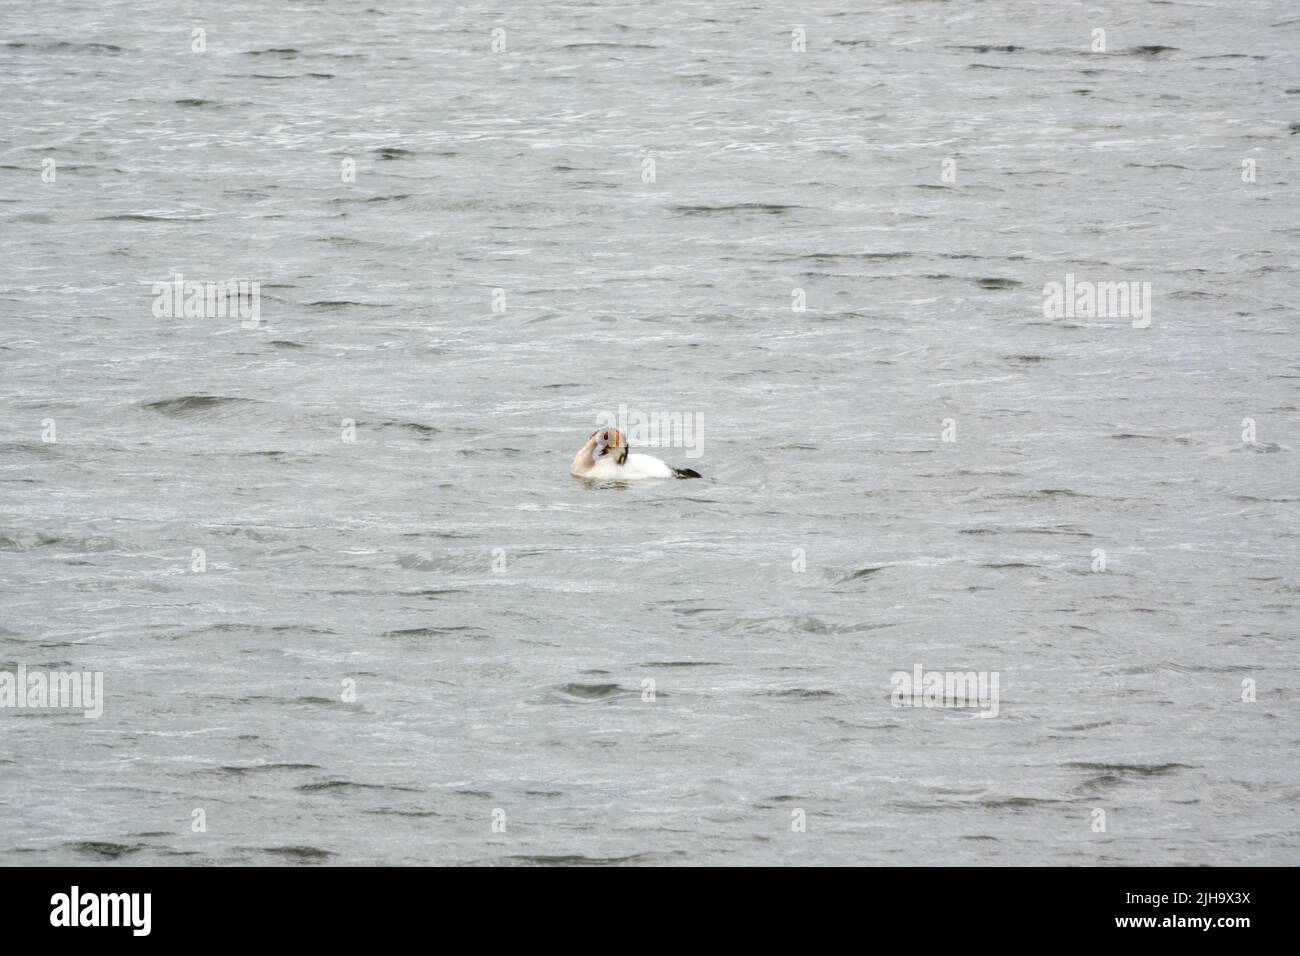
432,645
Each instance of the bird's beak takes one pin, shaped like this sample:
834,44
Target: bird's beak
614,445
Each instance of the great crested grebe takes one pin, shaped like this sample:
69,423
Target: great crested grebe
605,457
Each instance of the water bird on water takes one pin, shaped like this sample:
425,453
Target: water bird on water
606,457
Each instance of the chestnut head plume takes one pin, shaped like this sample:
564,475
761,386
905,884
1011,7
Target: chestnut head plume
610,441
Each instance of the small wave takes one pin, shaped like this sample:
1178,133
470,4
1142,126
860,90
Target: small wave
597,692
1131,769
331,304
144,217
989,48
62,46
259,768
1061,530
104,850
1152,50
862,573
774,209
578,860
459,629
189,404
1017,803
34,449
856,256
418,427
396,197
1044,494
349,785
33,540
684,664
598,45
298,854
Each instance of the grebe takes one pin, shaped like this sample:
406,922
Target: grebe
605,457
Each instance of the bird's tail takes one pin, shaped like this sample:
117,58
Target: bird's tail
686,473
